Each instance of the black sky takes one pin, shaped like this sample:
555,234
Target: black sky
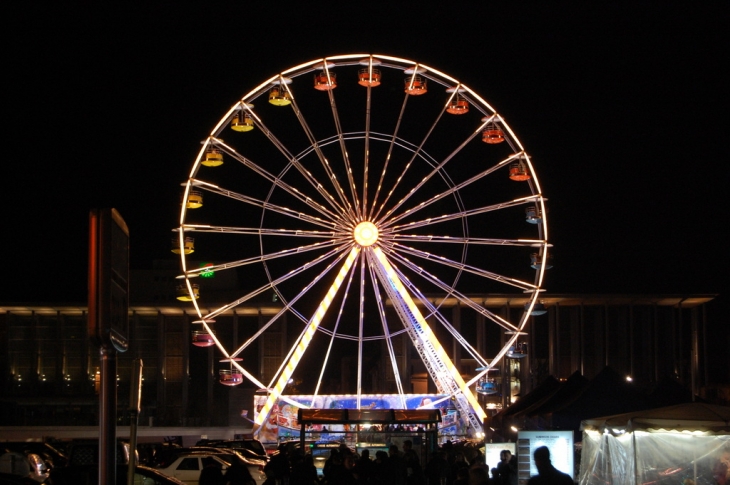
623,108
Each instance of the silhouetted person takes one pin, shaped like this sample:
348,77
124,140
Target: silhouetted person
478,475
396,466
414,472
278,466
211,473
506,469
364,466
438,469
547,474
462,476
456,462
381,469
303,471
333,465
238,474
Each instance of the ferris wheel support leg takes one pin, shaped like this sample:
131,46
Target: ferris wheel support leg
447,378
314,322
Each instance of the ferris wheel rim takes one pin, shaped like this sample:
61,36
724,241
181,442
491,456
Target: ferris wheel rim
338,218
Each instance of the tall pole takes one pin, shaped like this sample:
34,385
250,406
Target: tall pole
135,397
108,321
107,416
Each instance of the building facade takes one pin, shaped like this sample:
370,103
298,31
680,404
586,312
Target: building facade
49,368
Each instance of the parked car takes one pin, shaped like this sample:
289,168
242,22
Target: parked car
27,465
187,466
10,479
252,445
166,456
52,455
86,452
89,475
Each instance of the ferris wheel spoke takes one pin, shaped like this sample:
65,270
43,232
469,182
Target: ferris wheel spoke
444,322
277,181
392,144
416,154
371,212
297,351
294,161
289,306
345,155
452,291
366,155
455,189
272,284
323,160
386,330
523,285
433,172
528,243
264,257
261,203
458,215
361,326
262,231
510,342
447,378
333,334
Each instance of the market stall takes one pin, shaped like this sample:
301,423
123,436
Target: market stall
685,444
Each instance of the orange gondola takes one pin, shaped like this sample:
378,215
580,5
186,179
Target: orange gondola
325,81
458,105
368,78
416,85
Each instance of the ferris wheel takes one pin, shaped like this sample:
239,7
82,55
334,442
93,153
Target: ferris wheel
361,193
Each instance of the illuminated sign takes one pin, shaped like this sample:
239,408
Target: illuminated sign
560,444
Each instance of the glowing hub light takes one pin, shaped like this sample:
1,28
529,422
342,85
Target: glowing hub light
366,234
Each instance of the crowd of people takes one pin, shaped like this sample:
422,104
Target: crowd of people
448,465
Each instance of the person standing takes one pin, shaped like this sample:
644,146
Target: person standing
364,466
437,469
278,466
414,472
506,468
211,474
547,474
396,466
238,474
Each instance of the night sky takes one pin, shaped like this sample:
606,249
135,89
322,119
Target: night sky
622,107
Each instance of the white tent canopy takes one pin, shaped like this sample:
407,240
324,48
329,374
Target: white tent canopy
683,444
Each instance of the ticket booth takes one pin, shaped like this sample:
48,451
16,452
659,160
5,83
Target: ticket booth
372,429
